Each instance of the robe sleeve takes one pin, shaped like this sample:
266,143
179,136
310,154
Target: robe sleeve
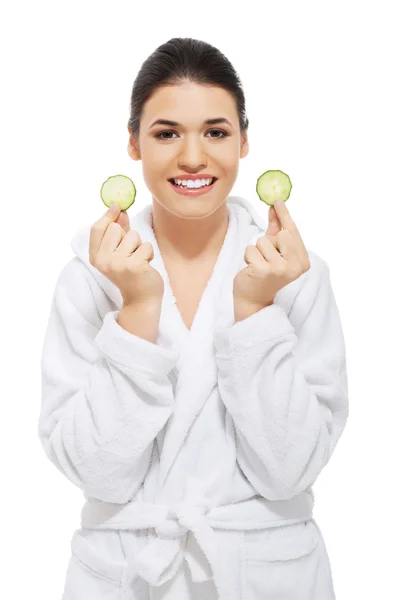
283,379
105,393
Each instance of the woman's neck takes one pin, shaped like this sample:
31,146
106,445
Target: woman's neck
189,240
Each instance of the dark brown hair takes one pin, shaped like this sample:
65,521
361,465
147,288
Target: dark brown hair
185,59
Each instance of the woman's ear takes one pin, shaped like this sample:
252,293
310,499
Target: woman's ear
244,150
133,146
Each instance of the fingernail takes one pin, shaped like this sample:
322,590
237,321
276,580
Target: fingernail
279,201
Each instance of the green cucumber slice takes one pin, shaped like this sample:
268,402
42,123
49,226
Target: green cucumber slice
118,189
272,185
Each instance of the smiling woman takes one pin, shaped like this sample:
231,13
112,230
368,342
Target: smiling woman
188,125
195,425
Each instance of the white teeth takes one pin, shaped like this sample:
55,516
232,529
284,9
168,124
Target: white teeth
190,183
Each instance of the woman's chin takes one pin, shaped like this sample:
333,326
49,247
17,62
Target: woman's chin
190,209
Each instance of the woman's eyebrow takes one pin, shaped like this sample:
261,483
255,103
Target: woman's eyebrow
176,124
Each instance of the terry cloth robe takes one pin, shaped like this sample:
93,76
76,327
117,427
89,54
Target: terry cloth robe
197,454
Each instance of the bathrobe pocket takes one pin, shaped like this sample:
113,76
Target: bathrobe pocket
90,575
284,563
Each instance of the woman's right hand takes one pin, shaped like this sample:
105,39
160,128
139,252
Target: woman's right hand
117,251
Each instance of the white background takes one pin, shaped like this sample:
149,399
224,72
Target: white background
322,87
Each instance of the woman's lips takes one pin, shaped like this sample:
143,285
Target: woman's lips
192,191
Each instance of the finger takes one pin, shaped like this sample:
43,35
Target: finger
293,247
145,252
131,241
268,250
98,229
124,221
274,240
111,239
274,224
291,226
253,257
288,247
284,216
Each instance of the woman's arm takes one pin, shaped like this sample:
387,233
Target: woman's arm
284,382
105,393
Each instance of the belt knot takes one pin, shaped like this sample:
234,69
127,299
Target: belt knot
180,518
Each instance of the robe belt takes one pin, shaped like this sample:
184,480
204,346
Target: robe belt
160,559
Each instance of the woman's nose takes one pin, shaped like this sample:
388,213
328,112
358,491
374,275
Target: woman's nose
192,154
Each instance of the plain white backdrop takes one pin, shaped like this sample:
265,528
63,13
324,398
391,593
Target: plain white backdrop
322,88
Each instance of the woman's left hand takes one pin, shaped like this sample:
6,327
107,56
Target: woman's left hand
278,258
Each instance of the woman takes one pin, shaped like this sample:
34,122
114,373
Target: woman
194,371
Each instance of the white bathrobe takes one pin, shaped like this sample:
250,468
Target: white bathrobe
196,455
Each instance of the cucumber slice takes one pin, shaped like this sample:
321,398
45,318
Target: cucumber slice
118,189
273,185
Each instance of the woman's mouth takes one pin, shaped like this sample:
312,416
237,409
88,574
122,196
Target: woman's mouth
192,191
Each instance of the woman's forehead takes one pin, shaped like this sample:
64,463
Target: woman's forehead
189,104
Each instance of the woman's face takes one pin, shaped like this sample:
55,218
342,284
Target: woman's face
191,147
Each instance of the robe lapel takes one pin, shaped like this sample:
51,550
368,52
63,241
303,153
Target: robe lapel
196,364
196,367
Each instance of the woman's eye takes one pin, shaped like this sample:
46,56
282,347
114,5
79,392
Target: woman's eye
162,133
224,134
159,135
